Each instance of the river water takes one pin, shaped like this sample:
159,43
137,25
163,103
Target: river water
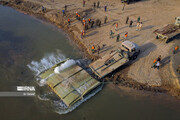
25,40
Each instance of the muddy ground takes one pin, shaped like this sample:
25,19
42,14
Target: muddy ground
153,13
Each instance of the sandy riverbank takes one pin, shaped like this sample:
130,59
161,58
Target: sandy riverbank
154,14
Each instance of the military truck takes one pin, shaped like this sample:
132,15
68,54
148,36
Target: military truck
110,62
128,1
73,83
168,32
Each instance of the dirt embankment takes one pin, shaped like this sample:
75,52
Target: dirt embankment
50,15
139,75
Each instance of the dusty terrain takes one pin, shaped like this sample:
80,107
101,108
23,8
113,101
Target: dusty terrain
154,14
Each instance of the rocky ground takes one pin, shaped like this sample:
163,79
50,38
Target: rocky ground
154,14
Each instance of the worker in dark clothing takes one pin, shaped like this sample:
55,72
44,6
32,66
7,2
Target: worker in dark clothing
138,19
105,19
159,58
98,4
99,23
92,23
65,7
118,37
123,7
127,19
98,49
43,9
84,3
111,34
130,24
94,4
105,8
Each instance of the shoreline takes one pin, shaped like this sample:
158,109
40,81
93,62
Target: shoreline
42,16
54,17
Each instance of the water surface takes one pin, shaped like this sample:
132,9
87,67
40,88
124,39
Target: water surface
24,39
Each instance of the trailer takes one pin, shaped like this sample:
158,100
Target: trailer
73,83
168,32
110,62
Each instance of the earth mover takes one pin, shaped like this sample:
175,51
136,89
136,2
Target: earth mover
168,32
110,62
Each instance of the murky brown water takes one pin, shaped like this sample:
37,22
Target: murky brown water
24,39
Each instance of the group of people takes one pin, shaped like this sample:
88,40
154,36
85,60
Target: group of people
138,26
156,62
98,3
89,23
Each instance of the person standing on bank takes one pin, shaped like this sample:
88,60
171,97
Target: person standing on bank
127,19
130,23
98,4
105,8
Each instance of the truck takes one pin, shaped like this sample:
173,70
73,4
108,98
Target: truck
169,31
128,1
110,62
74,83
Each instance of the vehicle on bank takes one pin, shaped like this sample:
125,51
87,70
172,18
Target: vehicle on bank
168,32
128,1
72,83
110,62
